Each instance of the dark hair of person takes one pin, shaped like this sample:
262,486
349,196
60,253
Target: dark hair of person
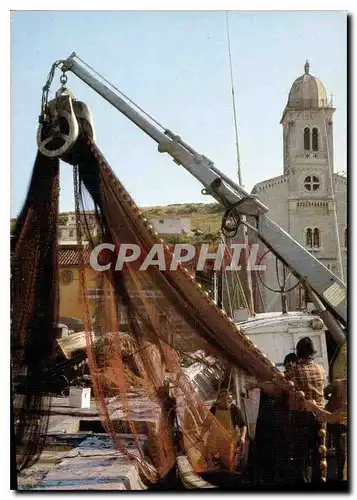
290,358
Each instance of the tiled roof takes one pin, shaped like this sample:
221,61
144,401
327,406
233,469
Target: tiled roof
68,257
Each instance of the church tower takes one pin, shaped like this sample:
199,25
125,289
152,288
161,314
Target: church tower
308,200
308,135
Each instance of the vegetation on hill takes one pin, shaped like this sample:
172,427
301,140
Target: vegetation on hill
205,217
205,220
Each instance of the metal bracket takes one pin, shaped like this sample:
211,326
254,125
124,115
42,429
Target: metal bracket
251,205
169,147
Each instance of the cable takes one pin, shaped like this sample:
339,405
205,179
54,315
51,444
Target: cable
230,222
282,288
229,296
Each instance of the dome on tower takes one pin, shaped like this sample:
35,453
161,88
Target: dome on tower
307,92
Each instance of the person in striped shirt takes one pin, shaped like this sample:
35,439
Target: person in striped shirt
308,377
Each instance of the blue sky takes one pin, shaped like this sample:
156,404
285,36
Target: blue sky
175,65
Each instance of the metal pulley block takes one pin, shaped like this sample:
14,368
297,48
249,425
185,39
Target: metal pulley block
59,129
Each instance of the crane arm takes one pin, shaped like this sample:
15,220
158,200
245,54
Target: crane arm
327,291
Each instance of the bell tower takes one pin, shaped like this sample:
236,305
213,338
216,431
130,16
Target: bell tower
308,164
308,133
308,200
307,127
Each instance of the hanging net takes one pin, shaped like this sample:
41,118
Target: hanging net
34,308
166,315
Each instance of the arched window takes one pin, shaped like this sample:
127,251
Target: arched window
309,237
345,237
307,139
315,139
316,238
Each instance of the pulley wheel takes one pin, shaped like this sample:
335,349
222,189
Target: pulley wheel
55,139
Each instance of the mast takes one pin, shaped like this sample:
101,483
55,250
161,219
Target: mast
242,232
239,172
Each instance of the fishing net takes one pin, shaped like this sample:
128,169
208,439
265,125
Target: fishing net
166,313
34,308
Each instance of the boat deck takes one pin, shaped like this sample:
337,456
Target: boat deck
77,458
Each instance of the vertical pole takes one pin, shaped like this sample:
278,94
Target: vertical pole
247,279
234,104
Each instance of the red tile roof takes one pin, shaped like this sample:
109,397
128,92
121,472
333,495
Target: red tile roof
69,257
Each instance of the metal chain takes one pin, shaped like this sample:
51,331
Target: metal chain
46,88
63,80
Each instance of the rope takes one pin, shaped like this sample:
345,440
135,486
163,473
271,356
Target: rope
261,296
229,295
236,275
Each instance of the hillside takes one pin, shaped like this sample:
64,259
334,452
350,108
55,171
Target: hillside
205,217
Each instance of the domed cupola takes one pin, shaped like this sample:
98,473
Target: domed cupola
307,92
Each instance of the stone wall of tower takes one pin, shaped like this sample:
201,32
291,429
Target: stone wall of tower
274,194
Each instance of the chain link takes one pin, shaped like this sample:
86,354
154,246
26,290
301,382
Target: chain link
46,89
63,79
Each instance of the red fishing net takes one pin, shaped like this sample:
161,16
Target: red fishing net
166,313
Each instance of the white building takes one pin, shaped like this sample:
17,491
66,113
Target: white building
304,198
90,218
174,225
67,233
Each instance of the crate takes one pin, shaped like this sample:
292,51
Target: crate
79,397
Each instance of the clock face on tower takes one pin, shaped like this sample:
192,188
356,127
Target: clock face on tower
311,183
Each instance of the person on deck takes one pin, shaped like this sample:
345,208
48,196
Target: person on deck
290,361
230,418
308,377
229,415
270,459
